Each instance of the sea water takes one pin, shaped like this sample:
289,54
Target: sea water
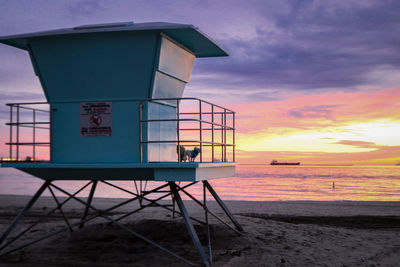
255,183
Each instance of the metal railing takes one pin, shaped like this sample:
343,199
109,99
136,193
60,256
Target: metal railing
18,121
203,124
215,122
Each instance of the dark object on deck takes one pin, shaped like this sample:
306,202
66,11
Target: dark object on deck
182,152
192,154
189,155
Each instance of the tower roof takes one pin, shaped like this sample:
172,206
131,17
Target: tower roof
187,35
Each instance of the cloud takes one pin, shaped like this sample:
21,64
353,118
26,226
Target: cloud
359,144
84,7
15,66
22,96
319,111
314,47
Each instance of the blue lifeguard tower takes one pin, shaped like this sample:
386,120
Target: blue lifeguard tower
115,112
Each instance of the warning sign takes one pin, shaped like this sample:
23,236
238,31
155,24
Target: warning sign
96,119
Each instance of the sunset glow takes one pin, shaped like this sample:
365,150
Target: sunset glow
358,123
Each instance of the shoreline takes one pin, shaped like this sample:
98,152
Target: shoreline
381,203
281,207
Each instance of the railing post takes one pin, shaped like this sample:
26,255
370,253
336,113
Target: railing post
140,132
34,135
11,130
233,136
212,132
201,133
17,124
224,135
51,111
177,131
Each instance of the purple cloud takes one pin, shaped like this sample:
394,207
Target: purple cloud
319,111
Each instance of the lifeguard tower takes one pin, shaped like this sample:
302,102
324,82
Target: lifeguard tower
115,112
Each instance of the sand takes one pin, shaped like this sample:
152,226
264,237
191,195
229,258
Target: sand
292,233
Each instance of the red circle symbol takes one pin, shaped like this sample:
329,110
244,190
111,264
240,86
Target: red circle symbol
95,120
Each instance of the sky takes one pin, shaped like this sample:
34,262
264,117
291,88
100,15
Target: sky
310,81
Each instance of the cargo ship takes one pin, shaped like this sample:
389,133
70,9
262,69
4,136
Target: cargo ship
275,162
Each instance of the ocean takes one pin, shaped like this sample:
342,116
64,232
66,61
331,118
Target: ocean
258,183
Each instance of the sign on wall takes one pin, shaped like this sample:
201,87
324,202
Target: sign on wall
96,118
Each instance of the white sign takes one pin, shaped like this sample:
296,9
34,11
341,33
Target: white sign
96,118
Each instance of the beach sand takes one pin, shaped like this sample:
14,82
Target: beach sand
290,233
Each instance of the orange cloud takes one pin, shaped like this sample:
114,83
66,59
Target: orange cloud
357,143
316,111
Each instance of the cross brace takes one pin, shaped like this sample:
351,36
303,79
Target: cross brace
169,189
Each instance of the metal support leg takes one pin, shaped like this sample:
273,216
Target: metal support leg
222,205
89,202
173,207
209,211
207,225
189,225
25,209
